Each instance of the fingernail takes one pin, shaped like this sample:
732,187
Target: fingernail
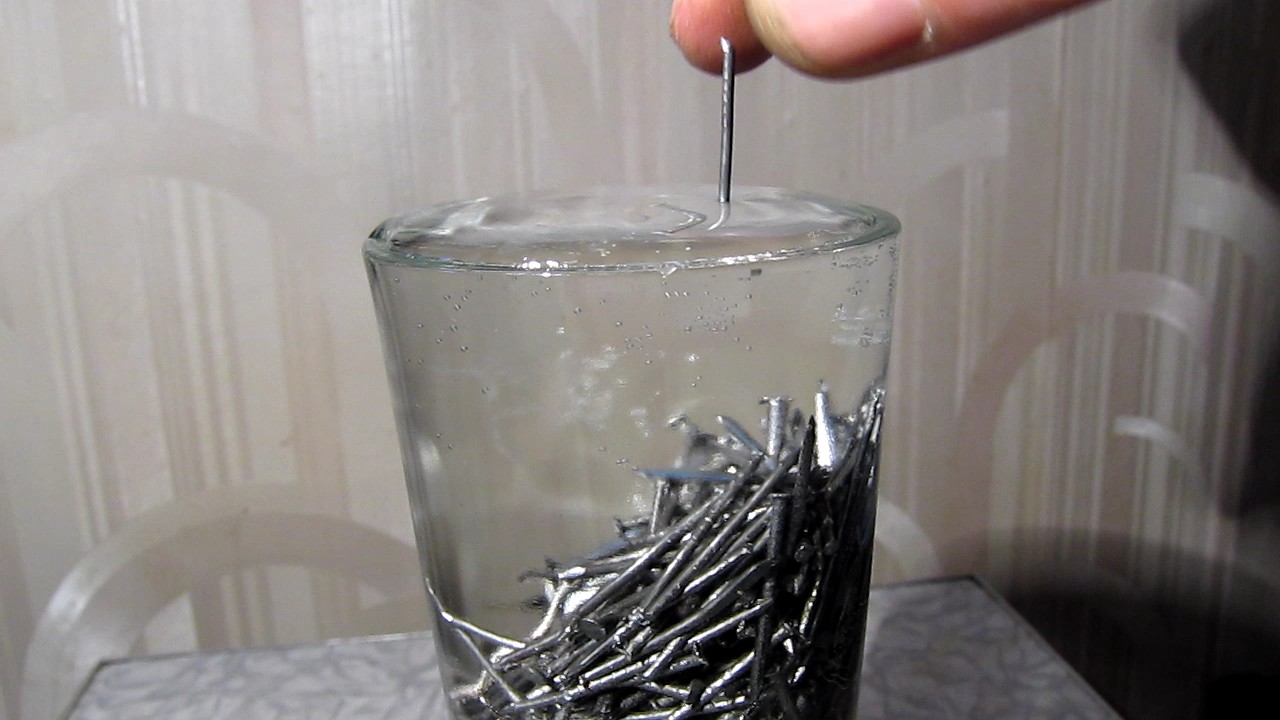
840,34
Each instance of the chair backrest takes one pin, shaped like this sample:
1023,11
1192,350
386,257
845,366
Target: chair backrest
903,551
103,605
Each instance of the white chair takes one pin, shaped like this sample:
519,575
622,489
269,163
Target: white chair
103,605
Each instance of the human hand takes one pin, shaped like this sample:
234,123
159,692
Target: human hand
845,38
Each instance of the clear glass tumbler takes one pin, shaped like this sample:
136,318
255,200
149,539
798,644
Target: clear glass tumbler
640,438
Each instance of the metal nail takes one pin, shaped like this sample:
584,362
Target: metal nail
726,125
826,438
776,424
660,662
714,689
709,565
610,589
663,589
663,504
723,567
764,629
678,475
734,620
714,604
487,666
467,628
726,534
739,433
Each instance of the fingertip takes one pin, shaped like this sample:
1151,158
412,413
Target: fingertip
698,25
838,38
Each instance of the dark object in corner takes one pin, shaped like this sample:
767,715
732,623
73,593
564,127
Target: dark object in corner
1229,49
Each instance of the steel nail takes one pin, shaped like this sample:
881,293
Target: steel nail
734,620
739,433
764,628
722,567
487,666
663,504
663,589
826,438
679,475
776,423
716,602
659,663
725,535
464,627
714,689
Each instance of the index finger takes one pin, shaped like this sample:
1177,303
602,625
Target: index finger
850,38
847,38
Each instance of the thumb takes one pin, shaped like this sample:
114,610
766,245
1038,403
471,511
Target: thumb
837,37
849,38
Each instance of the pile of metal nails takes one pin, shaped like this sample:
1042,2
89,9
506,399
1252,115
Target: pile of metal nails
740,595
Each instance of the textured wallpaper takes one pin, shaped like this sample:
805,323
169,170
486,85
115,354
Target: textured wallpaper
199,450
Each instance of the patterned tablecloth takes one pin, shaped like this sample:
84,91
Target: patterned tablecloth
936,650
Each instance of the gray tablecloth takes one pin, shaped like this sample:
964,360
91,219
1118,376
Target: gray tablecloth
936,650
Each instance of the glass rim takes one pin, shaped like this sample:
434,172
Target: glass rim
382,246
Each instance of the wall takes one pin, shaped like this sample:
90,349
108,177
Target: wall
1082,406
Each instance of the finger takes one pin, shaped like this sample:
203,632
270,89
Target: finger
850,38
698,25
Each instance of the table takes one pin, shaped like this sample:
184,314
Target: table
937,650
